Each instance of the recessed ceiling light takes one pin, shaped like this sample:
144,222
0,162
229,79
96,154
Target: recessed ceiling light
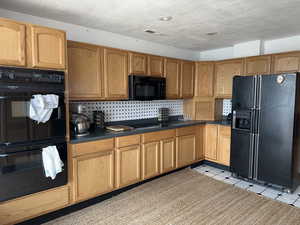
211,33
150,31
165,18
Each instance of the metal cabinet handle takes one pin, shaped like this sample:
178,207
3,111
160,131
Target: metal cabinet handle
3,155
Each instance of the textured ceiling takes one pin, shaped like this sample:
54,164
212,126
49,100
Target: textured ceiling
235,20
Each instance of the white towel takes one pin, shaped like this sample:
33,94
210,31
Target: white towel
52,162
41,107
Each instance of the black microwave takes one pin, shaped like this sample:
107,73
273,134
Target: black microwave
146,88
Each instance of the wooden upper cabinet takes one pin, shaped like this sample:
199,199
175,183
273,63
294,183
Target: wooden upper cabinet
85,71
12,43
187,79
155,66
258,65
224,73
116,73
48,47
204,79
286,62
205,109
137,63
172,75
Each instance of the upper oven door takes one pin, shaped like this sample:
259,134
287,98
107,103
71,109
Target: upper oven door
17,127
146,88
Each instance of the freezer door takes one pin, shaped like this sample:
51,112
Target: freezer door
241,153
275,129
244,92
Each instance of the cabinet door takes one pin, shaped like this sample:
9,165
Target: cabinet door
172,75
85,74
150,159
204,79
115,74
200,142
167,155
210,139
187,79
224,134
204,109
185,150
128,165
12,43
137,64
93,174
258,65
48,48
155,66
224,72
286,62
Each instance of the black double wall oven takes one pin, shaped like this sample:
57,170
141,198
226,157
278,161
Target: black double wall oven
22,139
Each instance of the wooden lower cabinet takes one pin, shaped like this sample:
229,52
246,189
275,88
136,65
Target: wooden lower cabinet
223,146
93,174
210,139
150,159
185,150
128,165
217,143
167,155
30,206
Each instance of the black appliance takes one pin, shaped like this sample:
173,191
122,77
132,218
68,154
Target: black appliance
22,139
265,129
146,88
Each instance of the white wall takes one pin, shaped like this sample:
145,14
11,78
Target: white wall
253,48
89,35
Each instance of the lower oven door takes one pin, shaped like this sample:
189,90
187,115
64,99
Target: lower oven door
22,172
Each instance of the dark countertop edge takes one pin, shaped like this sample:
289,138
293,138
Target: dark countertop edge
104,134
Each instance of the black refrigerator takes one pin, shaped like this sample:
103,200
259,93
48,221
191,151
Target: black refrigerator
265,129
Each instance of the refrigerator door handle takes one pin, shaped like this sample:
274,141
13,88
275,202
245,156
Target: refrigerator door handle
250,175
234,119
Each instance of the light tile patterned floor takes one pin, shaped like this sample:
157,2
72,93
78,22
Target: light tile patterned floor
225,176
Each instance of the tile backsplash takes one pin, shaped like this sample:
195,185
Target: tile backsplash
226,107
131,110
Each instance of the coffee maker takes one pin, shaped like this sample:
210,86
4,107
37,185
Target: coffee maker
80,122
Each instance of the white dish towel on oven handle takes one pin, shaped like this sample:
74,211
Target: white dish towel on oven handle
52,162
41,107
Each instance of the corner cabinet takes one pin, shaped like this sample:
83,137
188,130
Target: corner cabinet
48,48
85,71
115,74
172,75
224,72
12,43
204,79
187,79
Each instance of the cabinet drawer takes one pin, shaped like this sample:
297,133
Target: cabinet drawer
186,130
157,136
92,147
127,141
33,205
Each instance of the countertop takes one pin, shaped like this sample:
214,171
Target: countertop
99,134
